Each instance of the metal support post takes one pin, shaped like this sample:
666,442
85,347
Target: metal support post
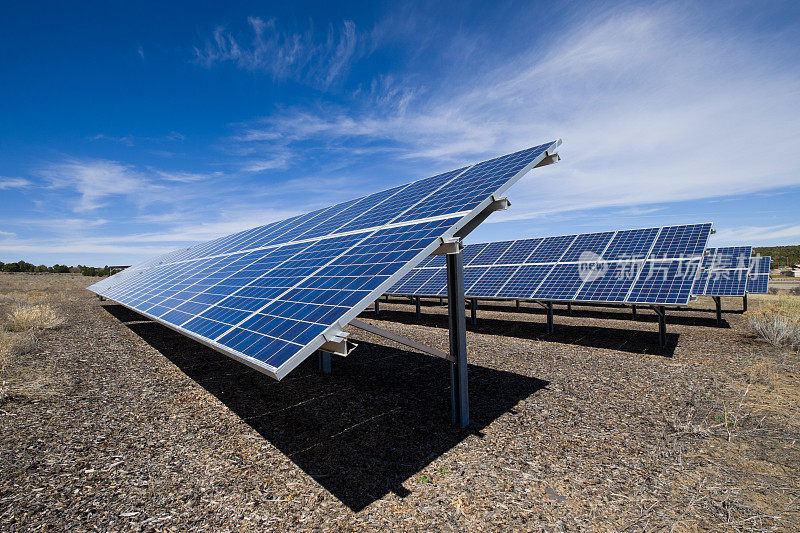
718,301
569,309
419,311
324,362
633,308
662,325
473,308
459,399
744,304
517,305
549,308
377,307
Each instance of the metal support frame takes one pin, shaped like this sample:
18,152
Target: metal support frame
548,307
718,302
633,308
569,309
419,310
324,361
662,324
377,307
473,310
517,305
744,303
366,326
459,394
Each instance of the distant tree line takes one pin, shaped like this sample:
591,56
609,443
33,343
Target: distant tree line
24,266
782,256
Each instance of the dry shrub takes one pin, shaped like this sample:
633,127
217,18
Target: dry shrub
13,344
778,322
26,317
763,373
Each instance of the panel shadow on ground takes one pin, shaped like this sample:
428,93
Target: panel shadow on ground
529,323
360,432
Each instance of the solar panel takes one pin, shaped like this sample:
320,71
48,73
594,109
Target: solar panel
656,266
724,271
758,275
272,295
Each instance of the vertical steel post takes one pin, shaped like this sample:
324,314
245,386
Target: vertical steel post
718,301
459,399
662,326
549,317
569,309
324,362
744,304
377,307
517,305
473,309
633,307
419,311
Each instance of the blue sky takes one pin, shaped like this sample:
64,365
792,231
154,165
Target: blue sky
127,130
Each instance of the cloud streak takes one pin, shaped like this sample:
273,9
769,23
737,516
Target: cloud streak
302,56
642,122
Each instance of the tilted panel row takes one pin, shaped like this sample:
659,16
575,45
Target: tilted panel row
655,266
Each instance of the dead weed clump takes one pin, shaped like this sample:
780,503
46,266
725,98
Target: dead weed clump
778,322
13,344
25,317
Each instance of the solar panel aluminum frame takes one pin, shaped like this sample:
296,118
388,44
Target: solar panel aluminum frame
335,333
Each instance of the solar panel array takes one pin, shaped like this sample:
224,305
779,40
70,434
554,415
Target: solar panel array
272,295
655,266
724,272
758,275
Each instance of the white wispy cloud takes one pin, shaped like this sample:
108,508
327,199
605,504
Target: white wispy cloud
299,55
96,180
14,183
643,121
757,234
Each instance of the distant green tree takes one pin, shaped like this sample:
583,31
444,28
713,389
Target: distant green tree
782,256
42,268
60,269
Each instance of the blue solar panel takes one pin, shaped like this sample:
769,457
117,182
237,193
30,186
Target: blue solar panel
551,249
267,296
524,282
491,253
631,244
470,253
680,242
610,282
490,281
587,247
561,283
436,283
475,184
760,265
724,271
758,275
665,282
519,251
559,268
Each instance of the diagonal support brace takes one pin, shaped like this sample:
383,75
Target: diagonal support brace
400,339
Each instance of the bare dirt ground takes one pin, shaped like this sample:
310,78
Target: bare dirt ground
114,422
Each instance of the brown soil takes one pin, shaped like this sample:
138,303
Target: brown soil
116,422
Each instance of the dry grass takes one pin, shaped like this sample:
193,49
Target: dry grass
26,316
778,321
763,373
